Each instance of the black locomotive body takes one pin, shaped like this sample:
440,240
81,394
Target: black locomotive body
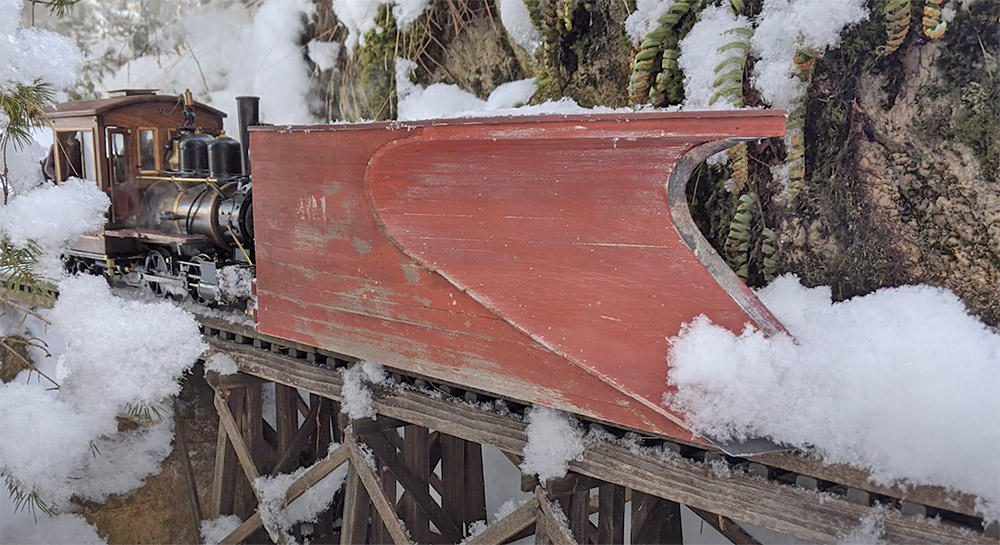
181,221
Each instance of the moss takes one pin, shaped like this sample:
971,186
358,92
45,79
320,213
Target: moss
370,81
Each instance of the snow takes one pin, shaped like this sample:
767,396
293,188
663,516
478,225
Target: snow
786,25
554,439
358,402
125,461
62,528
644,19
881,382
71,209
259,54
272,491
215,530
443,100
221,363
358,16
30,54
25,174
516,20
235,283
870,529
700,55
324,54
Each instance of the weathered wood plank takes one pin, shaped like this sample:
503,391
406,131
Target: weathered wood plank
354,529
290,454
655,521
548,523
194,503
224,477
370,481
242,452
416,456
785,509
507,527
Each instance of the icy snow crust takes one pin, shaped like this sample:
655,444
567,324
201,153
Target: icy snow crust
896,382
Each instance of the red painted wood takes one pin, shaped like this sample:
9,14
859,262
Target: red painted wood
533,257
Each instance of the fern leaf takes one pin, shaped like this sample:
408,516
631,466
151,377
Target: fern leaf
934,25
769,254
897,24
737,245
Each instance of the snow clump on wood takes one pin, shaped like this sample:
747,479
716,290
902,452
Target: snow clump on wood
358,402
554,439
443,100
272,491
215,530
221,363
883,381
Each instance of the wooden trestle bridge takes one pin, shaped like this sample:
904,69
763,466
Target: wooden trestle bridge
421,424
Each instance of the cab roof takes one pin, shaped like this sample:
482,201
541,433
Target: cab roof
80,108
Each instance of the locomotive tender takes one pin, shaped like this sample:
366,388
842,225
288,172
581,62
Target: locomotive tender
181,218
546,259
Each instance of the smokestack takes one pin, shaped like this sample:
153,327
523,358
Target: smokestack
248,111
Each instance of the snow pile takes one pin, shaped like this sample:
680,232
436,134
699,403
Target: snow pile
359,16
271,60
554,439
516,20
358,401
30,54
272,491
787,25
443,100
700,55
323,54
883,382
118,355
644,19
215,530
221,363
24,172
70,210
63,528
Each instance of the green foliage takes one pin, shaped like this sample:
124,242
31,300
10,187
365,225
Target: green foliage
24,106
737,247
17,267
897,24
656,77
24,499
144,414
934,26
59,8
732,70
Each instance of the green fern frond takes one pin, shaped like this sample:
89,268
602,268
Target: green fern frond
737,245
732,70
769,254
934,25
659,82
897,24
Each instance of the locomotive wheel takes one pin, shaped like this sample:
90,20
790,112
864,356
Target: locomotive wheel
158,263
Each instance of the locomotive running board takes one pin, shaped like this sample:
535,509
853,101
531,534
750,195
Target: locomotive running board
546,259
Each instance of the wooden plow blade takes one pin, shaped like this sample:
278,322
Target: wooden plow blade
543,259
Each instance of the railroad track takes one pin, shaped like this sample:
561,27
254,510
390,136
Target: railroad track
785,492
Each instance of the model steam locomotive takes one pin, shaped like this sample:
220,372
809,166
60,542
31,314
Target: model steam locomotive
181,221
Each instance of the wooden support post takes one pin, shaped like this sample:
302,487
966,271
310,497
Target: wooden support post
224,478
416,455
194,503
453,477
655,521
576,507
289,452
475,484
379,500
611,514
354,528
286,401
417,489
548,524
321,444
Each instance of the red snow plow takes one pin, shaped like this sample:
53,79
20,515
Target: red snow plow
546,259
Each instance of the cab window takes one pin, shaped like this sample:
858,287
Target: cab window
147,149
76,155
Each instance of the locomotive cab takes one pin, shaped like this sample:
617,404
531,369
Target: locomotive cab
180,200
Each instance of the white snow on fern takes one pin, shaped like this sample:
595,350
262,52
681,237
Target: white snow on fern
700,55
644,19
879,382
516,20
358,16
554,439
358,402
786,25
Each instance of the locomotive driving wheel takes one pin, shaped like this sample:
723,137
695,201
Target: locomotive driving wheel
158,263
